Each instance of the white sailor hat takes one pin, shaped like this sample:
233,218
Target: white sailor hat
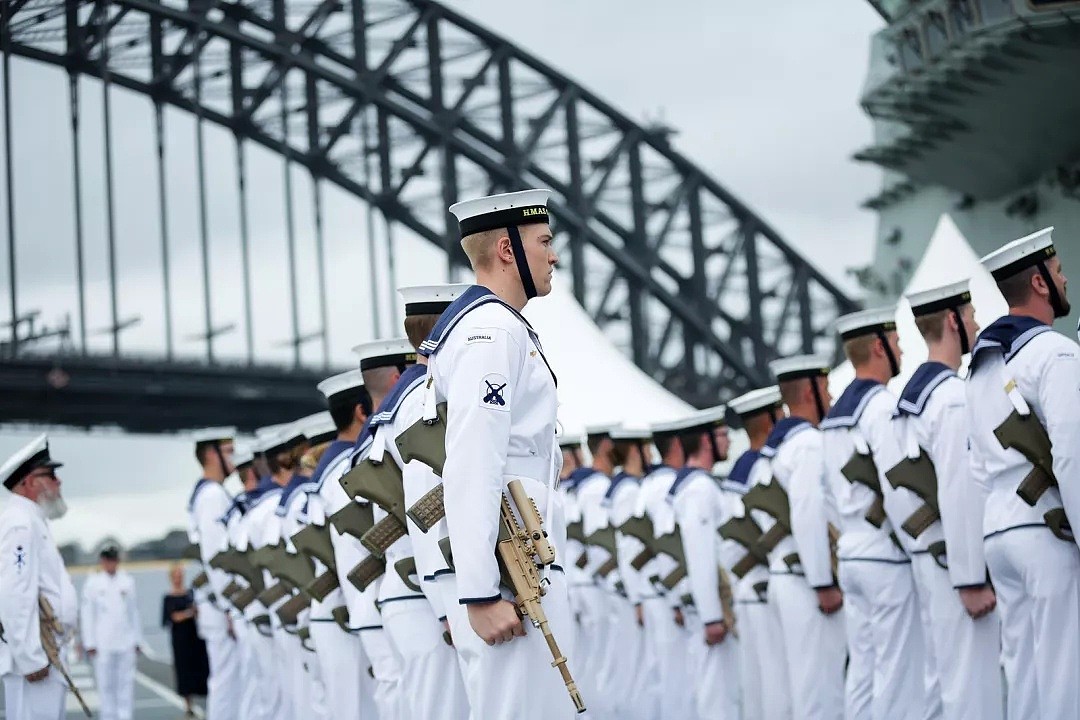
624,432
244,454
345,382
698,421
1020,254
756,401
430,299
287,437
571,440
800,366
214,434
526,207
866,322
318,428
385,353
939,298
599,430
33,455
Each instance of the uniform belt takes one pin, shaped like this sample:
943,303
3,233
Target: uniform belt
530,468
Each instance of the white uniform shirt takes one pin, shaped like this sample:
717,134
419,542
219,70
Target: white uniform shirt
30,564
1045,366
860,421
594,516
314,513
262,528
731,551
501,418
797,463
935,420
621,504
700,510
209,503
110,613
653,502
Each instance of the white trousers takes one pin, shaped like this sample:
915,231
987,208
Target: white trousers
114,674
763,668
515,680
666,641
248,671
966,653
44,700
620,664
267,701
590,641
223,686
431,684
716,682
885,643
341,664
814,646
386,671
1037,579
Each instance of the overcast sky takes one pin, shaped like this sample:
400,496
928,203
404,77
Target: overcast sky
764,96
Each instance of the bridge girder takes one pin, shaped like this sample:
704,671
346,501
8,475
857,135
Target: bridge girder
700,290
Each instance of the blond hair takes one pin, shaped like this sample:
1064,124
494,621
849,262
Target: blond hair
480,247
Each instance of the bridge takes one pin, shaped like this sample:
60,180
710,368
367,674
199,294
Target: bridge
403,106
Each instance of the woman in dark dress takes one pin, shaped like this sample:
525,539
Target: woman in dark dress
189,650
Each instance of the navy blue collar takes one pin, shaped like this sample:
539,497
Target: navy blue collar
363,440
1006,336
575,477
618,480
290,487
782,430
195,492
740,471
333,451
412,378
851,404
681,476
922,384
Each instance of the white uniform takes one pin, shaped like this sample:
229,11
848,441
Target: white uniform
209,503
337,651
700,509
813,641
364,618
884,635
111,627
665,642
763,671
488,365
431,684
1036,575
250,701
30,565
962,655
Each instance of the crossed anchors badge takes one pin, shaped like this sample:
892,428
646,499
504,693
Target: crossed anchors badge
495,394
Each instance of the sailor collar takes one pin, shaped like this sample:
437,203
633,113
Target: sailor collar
295,483
199,486
681,476
476,296
1007,335
616,481
412,378
851,404
922,384
740,471
575,477
785,428
335,451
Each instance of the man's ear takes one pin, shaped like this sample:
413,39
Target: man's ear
503,250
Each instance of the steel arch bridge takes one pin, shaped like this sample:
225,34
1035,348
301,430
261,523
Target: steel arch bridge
410,106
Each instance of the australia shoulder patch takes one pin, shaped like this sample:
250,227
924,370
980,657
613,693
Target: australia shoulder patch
495,392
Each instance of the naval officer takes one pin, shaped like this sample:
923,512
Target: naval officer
31,568
931,497
111,634
486,362
1022,392
210,502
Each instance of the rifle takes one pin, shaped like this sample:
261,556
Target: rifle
262,559
50,626
381,483
771,499
1026,435
366,572
862,470
314,542
747,533
290,610
519,551
425,441
199,581
640,528
918,476
604,538
238,563
671,545
354,519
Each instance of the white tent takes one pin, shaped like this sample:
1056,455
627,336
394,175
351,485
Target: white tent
597,383
949,258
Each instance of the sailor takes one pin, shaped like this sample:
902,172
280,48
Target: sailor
305,675
381,364
700,510
666,635
802,583
486,363
930,496
762,661
209,502
337,649
32,571
111,634
885,644
628,687
1021,393
431,679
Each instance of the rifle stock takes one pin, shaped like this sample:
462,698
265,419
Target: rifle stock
425,441
861,469
314,541
353,519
